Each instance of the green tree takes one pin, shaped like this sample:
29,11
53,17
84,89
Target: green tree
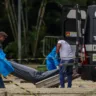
34,26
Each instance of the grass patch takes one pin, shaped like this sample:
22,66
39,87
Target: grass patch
41,68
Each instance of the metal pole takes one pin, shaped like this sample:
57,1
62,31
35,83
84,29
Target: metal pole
62,23
77,39
19,30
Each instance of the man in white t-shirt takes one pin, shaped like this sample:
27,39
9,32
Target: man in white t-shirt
66,56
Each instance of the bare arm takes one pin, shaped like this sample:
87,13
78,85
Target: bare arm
58,48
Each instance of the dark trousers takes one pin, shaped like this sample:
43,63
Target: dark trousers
66,72
1,83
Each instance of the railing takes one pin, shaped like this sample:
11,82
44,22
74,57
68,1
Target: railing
48,44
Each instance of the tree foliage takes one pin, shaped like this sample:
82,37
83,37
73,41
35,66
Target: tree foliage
30,8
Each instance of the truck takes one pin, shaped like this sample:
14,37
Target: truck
78,28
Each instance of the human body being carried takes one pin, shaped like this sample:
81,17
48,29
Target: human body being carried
52,60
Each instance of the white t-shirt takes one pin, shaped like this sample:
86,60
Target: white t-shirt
66,52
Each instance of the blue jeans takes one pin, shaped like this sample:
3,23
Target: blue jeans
1,83
66,71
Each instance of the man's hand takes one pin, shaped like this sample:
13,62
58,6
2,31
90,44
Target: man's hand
60,64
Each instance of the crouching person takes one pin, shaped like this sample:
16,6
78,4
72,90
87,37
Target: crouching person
52,60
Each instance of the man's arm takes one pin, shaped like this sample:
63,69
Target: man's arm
58,48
